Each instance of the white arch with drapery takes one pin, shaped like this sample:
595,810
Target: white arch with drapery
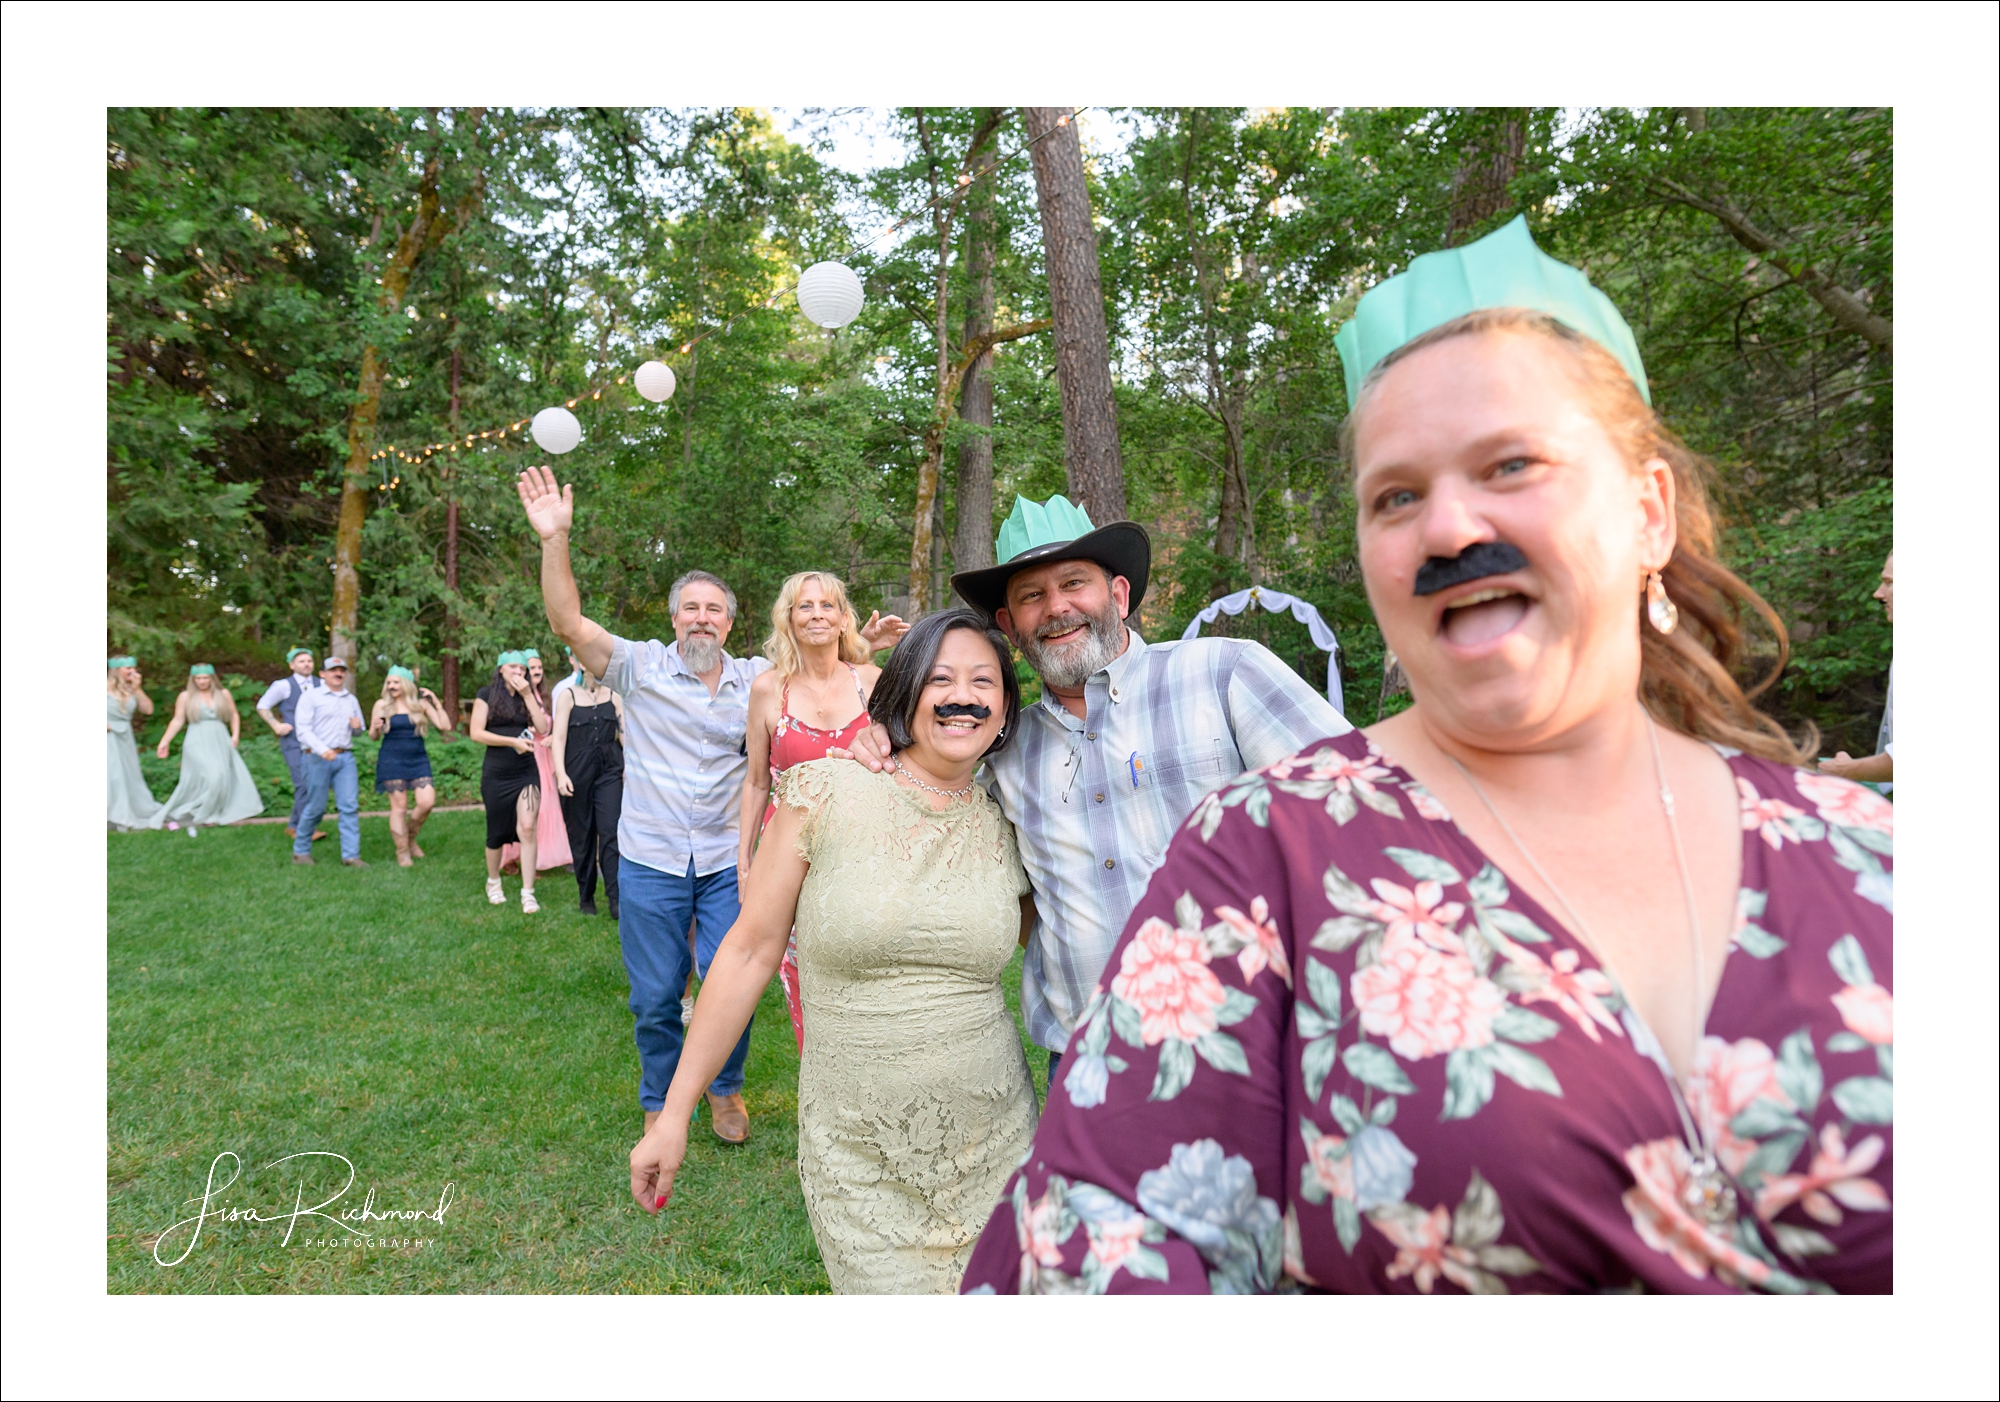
1322,636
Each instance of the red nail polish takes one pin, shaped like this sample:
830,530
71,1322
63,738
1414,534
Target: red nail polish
659,1202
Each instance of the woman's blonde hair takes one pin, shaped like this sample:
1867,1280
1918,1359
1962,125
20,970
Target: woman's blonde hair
783,649
1689,678
418,718
225,704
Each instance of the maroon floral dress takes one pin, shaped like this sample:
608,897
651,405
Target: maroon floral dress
1334,1050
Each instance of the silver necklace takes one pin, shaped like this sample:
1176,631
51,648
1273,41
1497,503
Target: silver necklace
904,770
1709,1195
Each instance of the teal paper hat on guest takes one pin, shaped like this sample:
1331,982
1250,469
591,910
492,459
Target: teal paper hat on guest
1037,532
511,659
112,663
403,674
202,669
1504,269
296,653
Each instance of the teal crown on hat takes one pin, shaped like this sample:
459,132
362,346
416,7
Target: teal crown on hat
1037,523
112,662
296,653
1504,269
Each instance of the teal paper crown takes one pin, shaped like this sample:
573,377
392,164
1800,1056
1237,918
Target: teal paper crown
1037,523
112,662
202,669
1504,269
404,674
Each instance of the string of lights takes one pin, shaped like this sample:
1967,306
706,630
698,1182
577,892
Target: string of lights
508,434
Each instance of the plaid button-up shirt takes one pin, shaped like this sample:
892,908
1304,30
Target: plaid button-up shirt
1095,801
684,757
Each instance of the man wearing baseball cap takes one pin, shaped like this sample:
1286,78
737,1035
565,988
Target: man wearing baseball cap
279,707
328,717
1127,738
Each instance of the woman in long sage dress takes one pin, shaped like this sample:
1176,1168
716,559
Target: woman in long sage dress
132,804
215,785
909,901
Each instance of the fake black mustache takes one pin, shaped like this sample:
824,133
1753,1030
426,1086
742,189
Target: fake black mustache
946,712
1476,561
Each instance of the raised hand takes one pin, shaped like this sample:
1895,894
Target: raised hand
880,632
550,511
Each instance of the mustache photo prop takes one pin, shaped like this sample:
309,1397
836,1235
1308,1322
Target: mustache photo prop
946,712
1476,561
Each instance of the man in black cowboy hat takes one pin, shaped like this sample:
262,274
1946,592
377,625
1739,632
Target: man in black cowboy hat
1126,740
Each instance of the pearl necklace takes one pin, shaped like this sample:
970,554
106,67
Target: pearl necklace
1709,1195
904,770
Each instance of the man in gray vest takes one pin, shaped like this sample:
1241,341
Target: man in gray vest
283,699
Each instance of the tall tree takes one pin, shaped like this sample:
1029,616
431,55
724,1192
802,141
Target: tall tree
972,540
431,222
1092,461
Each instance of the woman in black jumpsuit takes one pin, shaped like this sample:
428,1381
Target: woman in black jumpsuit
589,758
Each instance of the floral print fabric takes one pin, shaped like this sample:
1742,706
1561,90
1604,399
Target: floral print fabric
1335,1050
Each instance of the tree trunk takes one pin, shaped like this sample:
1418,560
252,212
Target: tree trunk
1092,464
1479,185
449,679
426,230
972,540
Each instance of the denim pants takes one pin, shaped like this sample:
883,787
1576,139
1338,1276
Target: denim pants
653,912
295,760
341,777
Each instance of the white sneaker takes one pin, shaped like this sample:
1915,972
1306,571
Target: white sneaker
494,895
529,905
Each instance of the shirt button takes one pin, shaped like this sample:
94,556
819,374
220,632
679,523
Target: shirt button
1109,864
1090,735
1100,798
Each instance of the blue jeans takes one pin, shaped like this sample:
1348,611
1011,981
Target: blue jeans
653,912
295,760
339,775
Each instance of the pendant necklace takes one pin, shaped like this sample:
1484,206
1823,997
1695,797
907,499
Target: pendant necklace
1708,1195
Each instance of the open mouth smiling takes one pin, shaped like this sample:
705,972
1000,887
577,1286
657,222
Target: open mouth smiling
1482,616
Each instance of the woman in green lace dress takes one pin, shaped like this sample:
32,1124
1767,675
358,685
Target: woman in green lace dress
909,899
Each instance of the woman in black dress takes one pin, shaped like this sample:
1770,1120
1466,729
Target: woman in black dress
588,750
403,766
504,719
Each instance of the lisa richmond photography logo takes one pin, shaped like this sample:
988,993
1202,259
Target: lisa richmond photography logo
320,1213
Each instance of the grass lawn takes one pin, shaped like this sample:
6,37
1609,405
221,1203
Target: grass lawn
396,1019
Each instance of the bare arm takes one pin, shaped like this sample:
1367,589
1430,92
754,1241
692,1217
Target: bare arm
145,701
235,725
174,725
559,740
757,777
1873,769
378,720
550,512
481,735
434,708
736,979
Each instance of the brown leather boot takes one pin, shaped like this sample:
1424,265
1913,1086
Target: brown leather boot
728,1117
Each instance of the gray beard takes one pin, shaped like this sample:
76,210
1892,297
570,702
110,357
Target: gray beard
1073,664
700,655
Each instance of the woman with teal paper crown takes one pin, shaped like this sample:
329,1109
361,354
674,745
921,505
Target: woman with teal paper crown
403,764
132,803
1567,978
215,785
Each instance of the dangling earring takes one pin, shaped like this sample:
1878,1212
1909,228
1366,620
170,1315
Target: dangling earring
1660,609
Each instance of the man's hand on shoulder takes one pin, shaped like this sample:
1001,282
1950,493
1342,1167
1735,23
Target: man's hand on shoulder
871,747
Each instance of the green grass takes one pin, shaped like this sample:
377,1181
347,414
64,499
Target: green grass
393,1017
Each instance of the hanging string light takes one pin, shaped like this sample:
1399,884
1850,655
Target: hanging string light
829,293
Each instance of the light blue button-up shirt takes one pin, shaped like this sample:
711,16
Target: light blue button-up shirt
684,756
1096,801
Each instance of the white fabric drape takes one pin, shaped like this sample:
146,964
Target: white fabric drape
1322,636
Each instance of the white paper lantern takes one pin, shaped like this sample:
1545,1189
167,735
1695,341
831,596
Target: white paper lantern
830,294
655,380
556,429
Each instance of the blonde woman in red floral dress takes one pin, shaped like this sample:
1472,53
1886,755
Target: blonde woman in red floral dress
1567,978
814,698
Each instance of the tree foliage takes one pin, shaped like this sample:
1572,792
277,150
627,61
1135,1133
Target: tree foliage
1750,249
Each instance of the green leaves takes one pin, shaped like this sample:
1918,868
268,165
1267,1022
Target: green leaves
1376,1066
1798,1070
1850,962
1423,865
1868,1100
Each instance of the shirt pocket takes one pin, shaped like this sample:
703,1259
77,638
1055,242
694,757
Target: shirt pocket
1191,769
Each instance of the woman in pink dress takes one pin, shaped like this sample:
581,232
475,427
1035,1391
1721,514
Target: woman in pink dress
551,837
814,698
